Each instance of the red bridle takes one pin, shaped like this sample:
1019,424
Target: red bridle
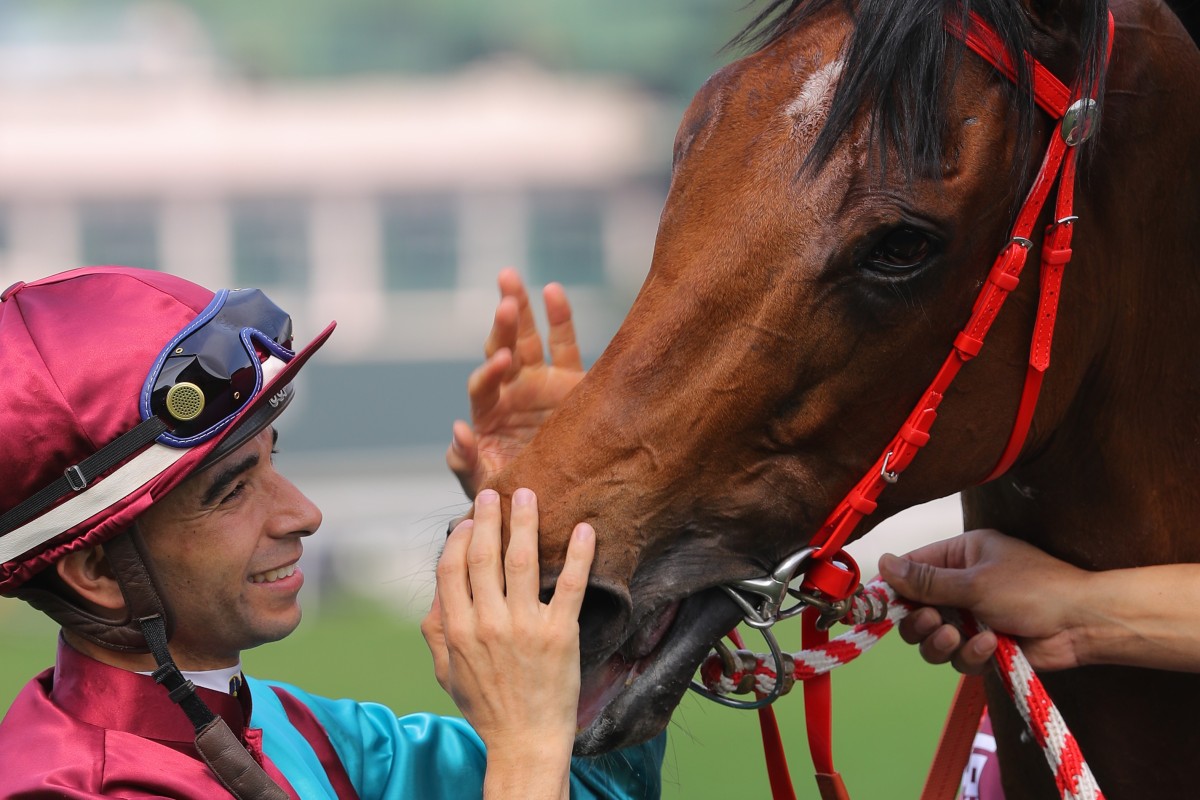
835,581
832,574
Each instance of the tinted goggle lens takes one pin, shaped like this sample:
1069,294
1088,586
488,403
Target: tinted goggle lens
213,368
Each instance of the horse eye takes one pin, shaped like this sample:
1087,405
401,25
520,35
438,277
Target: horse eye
901,250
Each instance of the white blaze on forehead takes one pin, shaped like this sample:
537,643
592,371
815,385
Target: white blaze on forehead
809,109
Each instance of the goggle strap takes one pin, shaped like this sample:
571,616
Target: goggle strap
78,477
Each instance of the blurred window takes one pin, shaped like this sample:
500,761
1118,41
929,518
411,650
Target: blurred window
270,241
420,241
119,232
566,236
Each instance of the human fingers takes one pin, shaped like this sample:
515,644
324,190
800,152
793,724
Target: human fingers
926,583
433,629
920,624
571,585
528,345
951,553
504,326
462,457
560,337
483,386
941,645
939,642
521,558
453,579
483,554
975,654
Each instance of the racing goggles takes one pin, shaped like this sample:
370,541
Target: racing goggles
212,368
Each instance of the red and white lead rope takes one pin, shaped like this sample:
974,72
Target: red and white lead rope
1071,773
874,612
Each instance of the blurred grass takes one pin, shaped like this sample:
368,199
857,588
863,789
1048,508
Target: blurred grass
888,705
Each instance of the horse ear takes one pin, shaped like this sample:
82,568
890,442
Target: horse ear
1064,31
1057,19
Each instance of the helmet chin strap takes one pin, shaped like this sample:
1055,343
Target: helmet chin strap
148,627
215,742
217,745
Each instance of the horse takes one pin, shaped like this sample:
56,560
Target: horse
837,198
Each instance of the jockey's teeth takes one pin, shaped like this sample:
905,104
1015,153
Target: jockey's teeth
272,575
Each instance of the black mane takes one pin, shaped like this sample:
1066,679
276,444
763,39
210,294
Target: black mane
895,66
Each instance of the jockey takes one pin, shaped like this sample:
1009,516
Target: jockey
141,510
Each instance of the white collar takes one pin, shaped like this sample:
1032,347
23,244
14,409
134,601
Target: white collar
218,680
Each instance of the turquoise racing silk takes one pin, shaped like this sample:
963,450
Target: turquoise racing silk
419,755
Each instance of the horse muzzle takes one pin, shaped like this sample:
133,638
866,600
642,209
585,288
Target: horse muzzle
628,696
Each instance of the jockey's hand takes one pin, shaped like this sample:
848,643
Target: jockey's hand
511,662
515,389
1007,584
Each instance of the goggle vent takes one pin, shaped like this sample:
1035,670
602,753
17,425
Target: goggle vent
185,401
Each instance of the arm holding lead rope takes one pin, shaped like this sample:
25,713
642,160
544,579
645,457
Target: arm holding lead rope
1062,616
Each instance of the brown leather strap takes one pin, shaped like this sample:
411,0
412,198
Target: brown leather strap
233,765
830,785
958,734
126,555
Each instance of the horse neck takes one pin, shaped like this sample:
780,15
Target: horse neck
1107,478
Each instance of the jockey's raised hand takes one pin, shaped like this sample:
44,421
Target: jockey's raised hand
516,388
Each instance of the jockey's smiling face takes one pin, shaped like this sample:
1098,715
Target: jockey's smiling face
224,546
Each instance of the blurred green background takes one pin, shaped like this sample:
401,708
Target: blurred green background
888,705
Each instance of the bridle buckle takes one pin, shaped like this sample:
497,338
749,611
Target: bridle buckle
772,590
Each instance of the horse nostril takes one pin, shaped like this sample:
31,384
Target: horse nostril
605,612
602,620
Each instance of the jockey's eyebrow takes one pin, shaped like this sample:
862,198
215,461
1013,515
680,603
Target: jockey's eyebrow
223,479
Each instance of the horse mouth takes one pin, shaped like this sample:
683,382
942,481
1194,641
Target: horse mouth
628,698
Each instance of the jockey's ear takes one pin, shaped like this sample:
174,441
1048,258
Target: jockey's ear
88,575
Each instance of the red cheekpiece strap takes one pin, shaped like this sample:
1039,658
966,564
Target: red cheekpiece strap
818,716
777,770
818,706
958,734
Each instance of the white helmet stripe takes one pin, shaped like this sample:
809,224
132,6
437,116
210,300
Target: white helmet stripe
134,474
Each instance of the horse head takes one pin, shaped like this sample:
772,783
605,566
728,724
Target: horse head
837,199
